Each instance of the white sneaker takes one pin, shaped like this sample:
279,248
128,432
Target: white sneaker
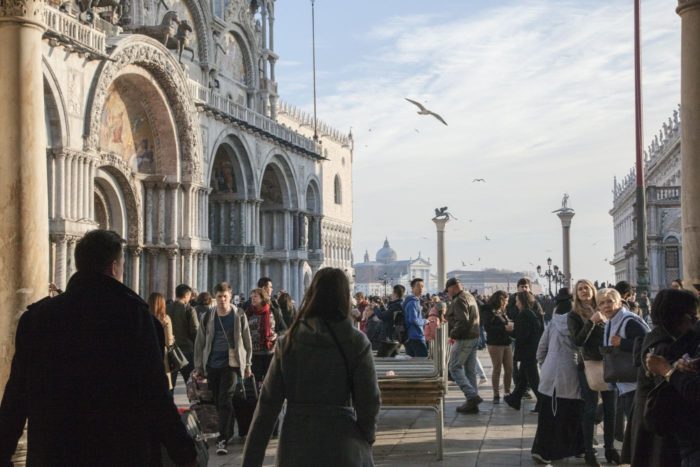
540,460
221,448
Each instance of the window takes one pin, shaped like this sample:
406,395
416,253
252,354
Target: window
672,260
337,190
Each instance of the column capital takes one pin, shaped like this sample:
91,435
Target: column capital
172,253
685,5
440,223
135,250
58,238
565,216
29,11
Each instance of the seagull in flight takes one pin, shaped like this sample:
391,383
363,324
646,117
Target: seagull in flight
487,238
425,111
463,263
479,180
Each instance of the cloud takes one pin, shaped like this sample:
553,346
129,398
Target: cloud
538,96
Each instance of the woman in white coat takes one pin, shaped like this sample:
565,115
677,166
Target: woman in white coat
559,432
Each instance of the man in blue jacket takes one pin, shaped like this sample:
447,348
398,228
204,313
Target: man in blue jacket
415,344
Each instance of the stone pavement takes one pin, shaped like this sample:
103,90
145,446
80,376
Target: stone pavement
497,436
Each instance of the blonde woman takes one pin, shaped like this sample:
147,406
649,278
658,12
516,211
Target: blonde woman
156,305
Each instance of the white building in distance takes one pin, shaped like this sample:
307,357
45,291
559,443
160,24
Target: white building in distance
662,173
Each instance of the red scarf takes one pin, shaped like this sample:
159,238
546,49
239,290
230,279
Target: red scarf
264,328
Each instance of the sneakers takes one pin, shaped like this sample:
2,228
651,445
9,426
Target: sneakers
528,395
496,399
539,459
483,381
476,400
468,408
221,448
512,401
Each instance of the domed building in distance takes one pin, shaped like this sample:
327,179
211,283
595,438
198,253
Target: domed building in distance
378,277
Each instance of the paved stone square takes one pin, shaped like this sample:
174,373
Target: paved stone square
497,436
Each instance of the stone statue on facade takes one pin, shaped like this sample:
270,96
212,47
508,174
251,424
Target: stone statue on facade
564,204
172,32
304,232
108,10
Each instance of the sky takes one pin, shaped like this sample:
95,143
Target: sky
539,100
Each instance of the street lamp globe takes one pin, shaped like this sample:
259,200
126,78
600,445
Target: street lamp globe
549,261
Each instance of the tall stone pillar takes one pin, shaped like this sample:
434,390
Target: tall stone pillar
60,263
24,230
187,266
300,285
285,275
440,223
689,11
172,269
227,267
136,268
241,274
565,215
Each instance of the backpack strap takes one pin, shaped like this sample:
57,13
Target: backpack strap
345,359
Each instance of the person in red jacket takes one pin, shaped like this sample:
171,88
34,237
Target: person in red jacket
262,324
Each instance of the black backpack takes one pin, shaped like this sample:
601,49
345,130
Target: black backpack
400,325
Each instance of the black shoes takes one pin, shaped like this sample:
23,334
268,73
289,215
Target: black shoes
512,401
612,456
590,459
496,399
471,405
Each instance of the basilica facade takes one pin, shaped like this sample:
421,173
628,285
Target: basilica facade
164,124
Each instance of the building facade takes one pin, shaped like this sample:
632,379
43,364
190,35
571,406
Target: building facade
164,124
378,277
662,173
489,280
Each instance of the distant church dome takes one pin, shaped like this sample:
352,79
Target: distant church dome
387,254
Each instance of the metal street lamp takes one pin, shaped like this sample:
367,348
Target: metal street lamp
385,281
549,274
558,278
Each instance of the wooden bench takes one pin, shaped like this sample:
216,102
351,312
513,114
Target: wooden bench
418,383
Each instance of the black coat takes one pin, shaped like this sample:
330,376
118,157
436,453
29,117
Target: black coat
644,447
528,327
495,326
88,375
387,332
588,337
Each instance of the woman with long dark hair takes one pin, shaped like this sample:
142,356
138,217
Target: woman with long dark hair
323,368
498,339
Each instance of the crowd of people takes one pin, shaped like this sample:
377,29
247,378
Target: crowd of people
590,355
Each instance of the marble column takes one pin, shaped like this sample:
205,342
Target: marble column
60,263
566,215
91,189
222,222
68,179
187,211
204,279
148,221
689,11
252,274
161,215
70,258
300,285
285,274
24,230
60,200
187,266
215,274
228,275
153,254
172,269
195,270
241,285
173,212
440,223
135,253
80,188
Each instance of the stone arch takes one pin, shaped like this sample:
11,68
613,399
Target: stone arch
150,55
283,169
247,50
153,132
56,110
110,202
241,154
313,193
122,177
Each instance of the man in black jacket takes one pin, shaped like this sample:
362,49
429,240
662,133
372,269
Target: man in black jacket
88,373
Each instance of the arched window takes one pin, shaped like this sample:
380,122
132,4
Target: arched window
337,190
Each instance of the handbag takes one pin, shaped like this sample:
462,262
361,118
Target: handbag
595,376
176,358
618,364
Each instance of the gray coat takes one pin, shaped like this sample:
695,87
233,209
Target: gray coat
205,340
557,356
319,427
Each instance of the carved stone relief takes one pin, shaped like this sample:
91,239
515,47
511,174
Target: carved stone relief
75,93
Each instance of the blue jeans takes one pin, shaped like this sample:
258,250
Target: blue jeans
416,348
462,366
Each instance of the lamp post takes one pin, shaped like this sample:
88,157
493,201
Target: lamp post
558,278
384,281
548,273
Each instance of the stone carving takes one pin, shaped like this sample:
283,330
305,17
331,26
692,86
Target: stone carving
21,8
163,32
168,75
75,93
565,201
108,10
443,213
304,232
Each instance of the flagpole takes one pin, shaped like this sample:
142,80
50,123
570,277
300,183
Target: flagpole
313,51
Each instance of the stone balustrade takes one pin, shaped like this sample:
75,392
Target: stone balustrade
671,193
212,101
64,24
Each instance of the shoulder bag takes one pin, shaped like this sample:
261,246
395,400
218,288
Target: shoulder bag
176,358
595,374
618,365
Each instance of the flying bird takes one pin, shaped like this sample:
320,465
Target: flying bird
479,258
478,180
595,243
463,264
424,111
487,237
416,130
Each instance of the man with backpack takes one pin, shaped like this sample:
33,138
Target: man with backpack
413,317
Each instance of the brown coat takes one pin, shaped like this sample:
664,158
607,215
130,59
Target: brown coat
463,316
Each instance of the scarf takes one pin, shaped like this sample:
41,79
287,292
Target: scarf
264,326
585,311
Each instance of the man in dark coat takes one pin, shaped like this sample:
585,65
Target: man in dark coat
87,373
